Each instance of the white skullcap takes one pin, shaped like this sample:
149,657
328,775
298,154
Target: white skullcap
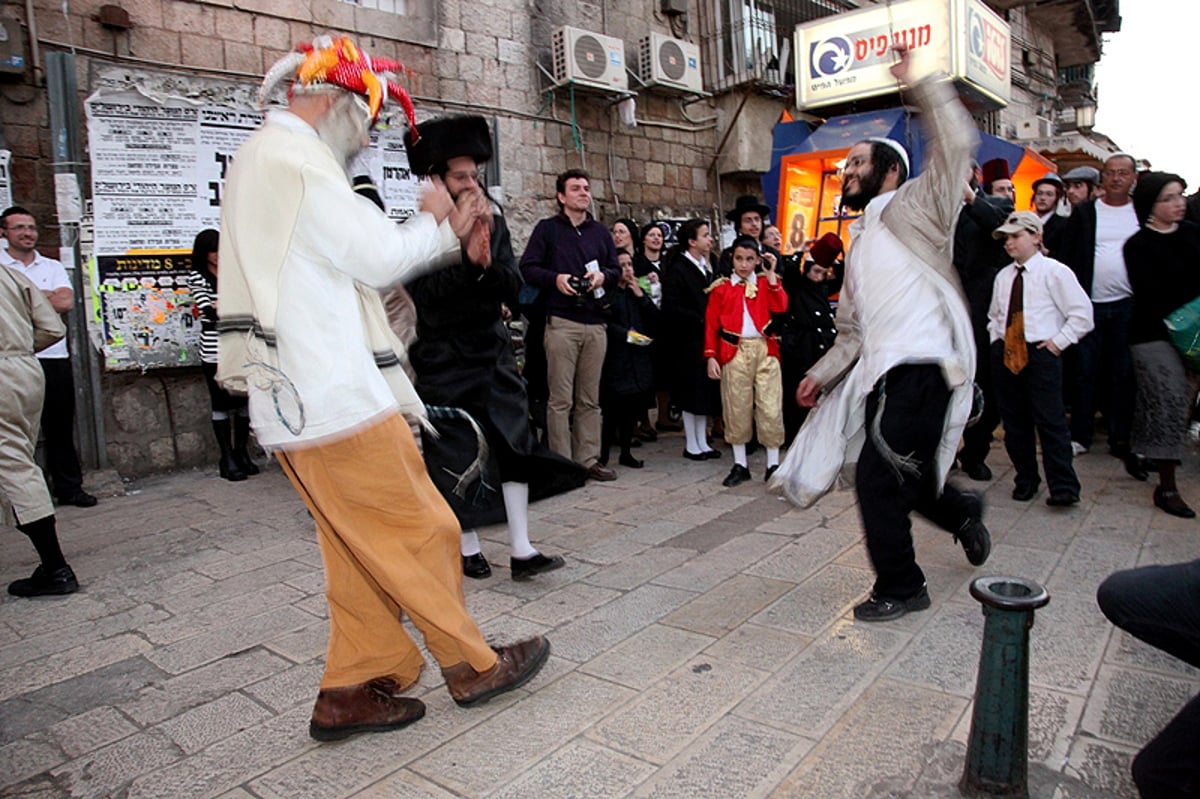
895,145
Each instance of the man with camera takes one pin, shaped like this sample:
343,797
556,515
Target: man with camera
570,258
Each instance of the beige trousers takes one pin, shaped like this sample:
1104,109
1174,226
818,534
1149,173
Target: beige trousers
390,544
21,480
574,358
752,395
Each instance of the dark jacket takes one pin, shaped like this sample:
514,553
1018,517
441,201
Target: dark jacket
557,247
628,369
807,329
1077,244
977,256
1164,271
684,302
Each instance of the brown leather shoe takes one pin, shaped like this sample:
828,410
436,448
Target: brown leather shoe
516,665
601,472
372,706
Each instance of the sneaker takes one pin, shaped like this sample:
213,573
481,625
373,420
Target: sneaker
516,665
1078,449
877,608
373,706
43,583
525,568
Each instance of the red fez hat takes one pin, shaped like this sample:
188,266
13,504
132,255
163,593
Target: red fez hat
996,169
826,250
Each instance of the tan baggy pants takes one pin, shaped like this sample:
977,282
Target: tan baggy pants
390,543
752,395
21,480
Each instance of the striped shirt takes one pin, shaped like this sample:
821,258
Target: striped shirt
206,302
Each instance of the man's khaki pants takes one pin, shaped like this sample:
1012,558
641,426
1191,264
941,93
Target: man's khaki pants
574,358
21,481
390,543
752,395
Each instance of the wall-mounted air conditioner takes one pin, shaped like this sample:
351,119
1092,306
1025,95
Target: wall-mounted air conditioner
669,63
1035,128
589,59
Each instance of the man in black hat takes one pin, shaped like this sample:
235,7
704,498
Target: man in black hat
463,356
748,217
1048,192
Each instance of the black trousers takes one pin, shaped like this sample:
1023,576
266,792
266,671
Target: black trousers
1161,606
912,399
1033,400
977,439
58,428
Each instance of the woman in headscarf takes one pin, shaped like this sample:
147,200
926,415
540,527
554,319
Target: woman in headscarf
1163,261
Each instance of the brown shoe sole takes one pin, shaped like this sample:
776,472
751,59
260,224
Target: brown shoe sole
531,672
319,733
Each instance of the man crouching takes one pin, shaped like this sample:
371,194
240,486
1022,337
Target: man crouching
304,332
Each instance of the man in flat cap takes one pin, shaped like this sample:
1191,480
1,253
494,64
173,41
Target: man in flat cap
304,332
899,373
1080,184
464,358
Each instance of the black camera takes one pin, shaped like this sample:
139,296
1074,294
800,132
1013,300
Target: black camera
580,284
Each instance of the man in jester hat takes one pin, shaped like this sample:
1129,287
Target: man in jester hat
304,333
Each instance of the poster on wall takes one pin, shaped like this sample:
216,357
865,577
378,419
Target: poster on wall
5,179
159,165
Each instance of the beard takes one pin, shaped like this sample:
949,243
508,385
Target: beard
868,189
343,129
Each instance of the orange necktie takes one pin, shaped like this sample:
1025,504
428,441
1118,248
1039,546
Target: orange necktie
1016,352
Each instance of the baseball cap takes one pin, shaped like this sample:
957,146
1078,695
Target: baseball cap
1018,221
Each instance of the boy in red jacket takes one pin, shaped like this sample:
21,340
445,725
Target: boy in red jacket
744,357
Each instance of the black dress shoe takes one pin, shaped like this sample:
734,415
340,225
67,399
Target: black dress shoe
770,471
601,473
976,541
712,454
525,568
977,471
1062,499
1172,503
737,475
695,456
80,499
476,566
877,608
44,583
1025,492
646,433
1137,467
628,460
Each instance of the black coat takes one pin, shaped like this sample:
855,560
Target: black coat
464,359
1077,244
628,369
684,302
977,256
807,329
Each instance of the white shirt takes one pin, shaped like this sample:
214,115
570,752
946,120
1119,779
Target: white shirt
701,264
48,275
1055,306
900,312
749,329
1114,225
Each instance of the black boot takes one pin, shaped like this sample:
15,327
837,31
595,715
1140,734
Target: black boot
229,468
53,576
241,437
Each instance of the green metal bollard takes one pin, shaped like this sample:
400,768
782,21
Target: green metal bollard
998,752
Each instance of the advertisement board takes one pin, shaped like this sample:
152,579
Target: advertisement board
846,57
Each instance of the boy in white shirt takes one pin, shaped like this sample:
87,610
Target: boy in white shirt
1038,310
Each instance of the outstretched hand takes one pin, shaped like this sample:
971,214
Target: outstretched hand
903,64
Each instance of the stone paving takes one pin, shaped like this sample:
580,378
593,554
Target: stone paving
702,647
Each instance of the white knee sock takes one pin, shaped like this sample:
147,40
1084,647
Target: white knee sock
695,428
469,544
739,454
773,457
516,505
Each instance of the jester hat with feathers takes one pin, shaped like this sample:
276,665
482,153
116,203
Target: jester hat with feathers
330,62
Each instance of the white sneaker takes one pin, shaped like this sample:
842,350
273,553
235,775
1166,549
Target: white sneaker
1078,449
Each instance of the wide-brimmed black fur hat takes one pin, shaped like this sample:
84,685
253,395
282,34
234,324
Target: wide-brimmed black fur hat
448,137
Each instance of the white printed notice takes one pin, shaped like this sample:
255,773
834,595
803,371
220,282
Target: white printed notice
158,172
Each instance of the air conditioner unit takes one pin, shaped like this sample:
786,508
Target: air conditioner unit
1035,128
669,63
589,59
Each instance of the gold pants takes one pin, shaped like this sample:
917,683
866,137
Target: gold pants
752,392
390,543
